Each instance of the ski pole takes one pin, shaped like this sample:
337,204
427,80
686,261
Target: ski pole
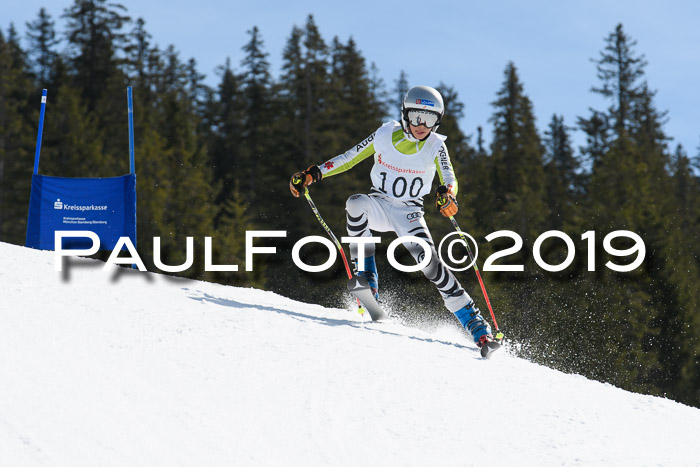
39,136
499,334
297,181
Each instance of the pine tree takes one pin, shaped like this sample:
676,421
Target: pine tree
518,200
316,86
680,363
233,216
138,50
16,138
235,220
561,172
143,70
646,130
598,135
518,160
95,37
350,85
256,84
41,35
619,70
290,98
174,173
226,130
73,141
352,114
628,189
477,180
379,94
302,106
197,97
17,53
401,87
97,54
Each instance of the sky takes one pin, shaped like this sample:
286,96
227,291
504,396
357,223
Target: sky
463,44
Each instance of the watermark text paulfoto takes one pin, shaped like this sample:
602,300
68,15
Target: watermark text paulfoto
638,249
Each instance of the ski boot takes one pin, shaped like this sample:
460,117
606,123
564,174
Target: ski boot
471,319
370,274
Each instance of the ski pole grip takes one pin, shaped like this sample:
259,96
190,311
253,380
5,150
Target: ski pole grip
442,198
298,182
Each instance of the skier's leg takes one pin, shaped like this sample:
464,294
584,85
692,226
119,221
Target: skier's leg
454,296
409,221
364,212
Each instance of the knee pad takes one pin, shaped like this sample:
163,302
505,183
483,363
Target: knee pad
356,205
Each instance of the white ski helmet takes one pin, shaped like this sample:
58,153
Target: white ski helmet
425,106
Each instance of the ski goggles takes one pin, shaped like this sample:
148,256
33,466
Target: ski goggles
422,117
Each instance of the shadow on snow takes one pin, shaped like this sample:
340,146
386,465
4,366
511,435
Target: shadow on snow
370,326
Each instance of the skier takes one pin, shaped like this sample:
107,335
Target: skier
406,156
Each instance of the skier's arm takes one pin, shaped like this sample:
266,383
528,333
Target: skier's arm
338,164
348,159
445,170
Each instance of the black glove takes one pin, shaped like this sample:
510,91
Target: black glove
301,180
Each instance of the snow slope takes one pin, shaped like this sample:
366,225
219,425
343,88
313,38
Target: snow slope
126,368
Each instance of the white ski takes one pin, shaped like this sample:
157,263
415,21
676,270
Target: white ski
359,287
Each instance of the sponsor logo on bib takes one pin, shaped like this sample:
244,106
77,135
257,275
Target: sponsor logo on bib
398,169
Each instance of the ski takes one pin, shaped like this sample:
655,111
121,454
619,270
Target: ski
359,287
488,348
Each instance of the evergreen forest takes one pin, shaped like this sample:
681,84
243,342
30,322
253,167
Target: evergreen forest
216,162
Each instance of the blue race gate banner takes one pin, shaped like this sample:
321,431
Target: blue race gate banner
106,206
